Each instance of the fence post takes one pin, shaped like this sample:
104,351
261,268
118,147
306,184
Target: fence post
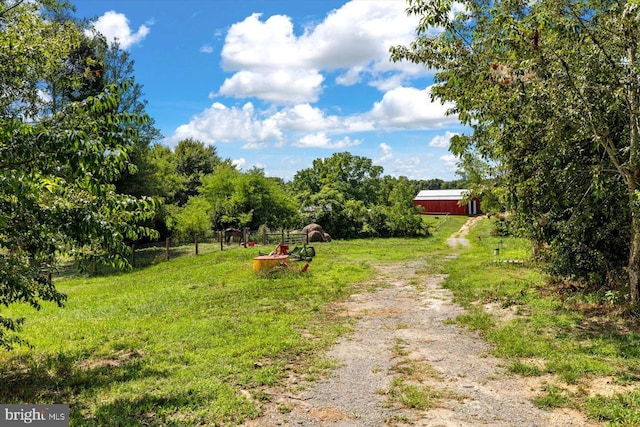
221,236
167,245
264,237
195,235
133,255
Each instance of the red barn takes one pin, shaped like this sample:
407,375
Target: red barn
447,202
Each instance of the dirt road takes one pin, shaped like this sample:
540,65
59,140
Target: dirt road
402,337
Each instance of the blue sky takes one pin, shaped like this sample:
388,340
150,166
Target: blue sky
278,83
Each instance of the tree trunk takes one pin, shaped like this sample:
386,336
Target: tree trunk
633,168
634,251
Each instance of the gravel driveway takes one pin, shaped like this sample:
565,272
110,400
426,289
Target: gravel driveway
401,332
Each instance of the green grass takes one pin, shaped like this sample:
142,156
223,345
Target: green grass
620,409
415,396
199,340
191,341
549,334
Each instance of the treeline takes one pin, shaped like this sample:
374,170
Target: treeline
198,192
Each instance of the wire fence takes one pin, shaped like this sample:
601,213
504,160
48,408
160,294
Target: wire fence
146,254
220,240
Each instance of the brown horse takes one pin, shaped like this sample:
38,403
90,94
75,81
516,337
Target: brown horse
232,232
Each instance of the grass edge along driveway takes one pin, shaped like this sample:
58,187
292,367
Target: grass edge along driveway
582,350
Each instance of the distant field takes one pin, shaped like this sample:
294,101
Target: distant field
177,342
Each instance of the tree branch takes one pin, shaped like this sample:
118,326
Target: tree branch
604,140
7,10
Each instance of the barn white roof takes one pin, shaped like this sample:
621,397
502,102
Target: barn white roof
442,195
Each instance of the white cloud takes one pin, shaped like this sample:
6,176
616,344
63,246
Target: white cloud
115,27
278,86
418,166
401,108
442,141
219,123
263,53
206,49
410,108
386,154
239,163
321,140
351,77
450,162
305,118
253,44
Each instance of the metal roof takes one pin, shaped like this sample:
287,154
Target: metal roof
442,194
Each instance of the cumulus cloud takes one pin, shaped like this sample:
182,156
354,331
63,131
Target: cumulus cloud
450,162
410,108
239,163
419,165
254,44
278,86
442,141
115,27
413,167
354,38
404,108
305,118
386,153
321,140
220,123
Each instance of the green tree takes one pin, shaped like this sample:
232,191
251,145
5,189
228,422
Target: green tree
323,190
402,218
56,168
550,91
119,70
193,219
193,160
349,197
248,199
166,183
356,176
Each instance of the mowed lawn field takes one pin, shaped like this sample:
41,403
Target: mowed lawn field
182,342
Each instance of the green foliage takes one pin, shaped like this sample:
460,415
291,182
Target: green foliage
554,397
348,197
247,199
193,218
549,91
194,160
621,409
143,179
57,168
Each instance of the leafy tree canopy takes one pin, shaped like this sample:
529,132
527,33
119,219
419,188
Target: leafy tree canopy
56,167
550,91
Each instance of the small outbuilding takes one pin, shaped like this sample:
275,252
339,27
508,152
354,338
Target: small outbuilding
450,202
